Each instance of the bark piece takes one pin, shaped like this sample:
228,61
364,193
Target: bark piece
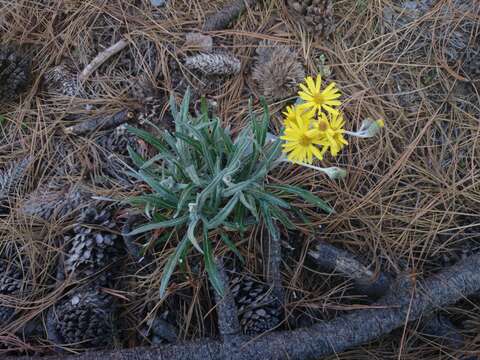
402,304
331,258
101,123
222,18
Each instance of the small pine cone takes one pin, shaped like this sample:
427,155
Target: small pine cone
62,80
15,74
11,178
317,15
214,64
113,154
92,245
258,310
12,282
55,200
277,71
84,319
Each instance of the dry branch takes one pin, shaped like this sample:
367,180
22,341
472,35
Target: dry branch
101,123
228,324
330,258
401,305
101,58
222,18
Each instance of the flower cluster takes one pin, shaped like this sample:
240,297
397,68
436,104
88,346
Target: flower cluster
315,126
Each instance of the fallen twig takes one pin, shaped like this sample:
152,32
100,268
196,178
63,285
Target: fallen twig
101,58
402,304
222,18
228,324
330,258
101,123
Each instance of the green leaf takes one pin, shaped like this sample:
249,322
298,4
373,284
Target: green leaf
191,235
249,202
136,158
269,223
160,225
282,216
223,213
150,139
305,195
269,198
156,186
211,267
231,246
171,263
150,199
184,199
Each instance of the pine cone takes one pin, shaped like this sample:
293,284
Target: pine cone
14,72
258,310
214,64
113,154
317,15
92,244
84,319
55,200
62,80
11,178
277,71
12,278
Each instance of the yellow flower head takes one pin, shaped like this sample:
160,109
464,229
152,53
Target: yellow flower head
331,129
319,99
296,111
290,115
301,139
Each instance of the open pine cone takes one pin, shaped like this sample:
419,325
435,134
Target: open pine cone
92,244
277,71
84,319
258,310
14,72
12,283
316,15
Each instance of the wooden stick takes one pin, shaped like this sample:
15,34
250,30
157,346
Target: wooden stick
101,58
402,304
101,123
228,324
330,258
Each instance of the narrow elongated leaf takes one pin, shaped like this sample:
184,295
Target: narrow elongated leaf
149,138
231,246
249,202
191,235
269,223
305,195
185,197
150,199
171,263
282,216
159,225
269,198
211,267
223,213
136,158
156,186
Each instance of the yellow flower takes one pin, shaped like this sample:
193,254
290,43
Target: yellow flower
293,112
301,139
331,129
290,115
319,99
